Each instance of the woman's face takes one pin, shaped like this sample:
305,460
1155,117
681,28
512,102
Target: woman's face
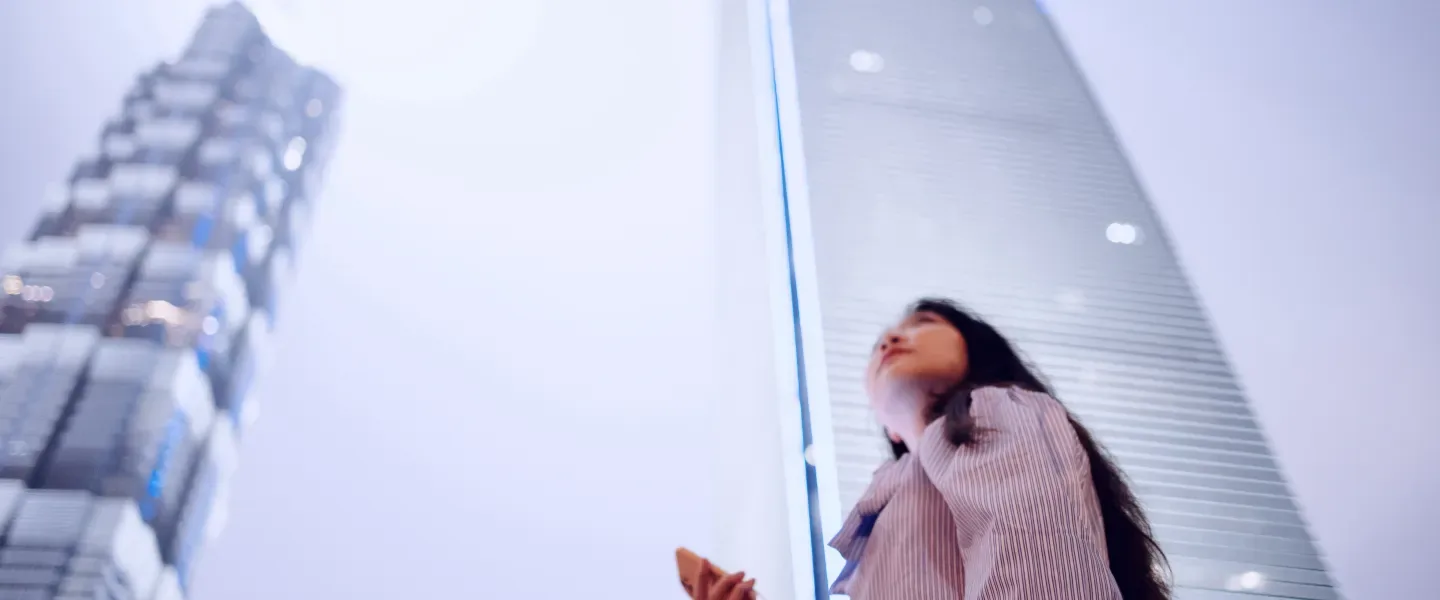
919,357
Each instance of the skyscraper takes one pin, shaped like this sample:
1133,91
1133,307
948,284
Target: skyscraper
951,147
134,318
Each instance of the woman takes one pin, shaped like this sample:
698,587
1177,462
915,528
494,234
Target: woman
996,491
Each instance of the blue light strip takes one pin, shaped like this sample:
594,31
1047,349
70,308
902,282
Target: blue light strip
821,479
796,490
817,542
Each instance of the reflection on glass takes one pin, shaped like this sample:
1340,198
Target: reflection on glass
983,128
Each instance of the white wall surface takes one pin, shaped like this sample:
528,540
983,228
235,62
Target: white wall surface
505,330
497,366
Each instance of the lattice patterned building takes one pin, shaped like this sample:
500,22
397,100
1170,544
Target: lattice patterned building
133,319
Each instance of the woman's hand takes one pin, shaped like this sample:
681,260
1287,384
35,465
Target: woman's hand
730,587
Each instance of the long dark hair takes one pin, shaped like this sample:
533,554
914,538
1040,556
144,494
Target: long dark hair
1136,561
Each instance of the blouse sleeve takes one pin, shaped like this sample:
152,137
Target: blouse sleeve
1022,499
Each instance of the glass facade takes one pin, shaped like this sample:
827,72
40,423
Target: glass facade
134,318
951,147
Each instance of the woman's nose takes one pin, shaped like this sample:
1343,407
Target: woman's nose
889,340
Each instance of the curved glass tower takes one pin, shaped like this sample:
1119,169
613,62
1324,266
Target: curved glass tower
133,319
951,147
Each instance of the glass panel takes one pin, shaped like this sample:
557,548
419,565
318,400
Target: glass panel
952,148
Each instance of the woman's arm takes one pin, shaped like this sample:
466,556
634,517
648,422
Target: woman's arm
1022,499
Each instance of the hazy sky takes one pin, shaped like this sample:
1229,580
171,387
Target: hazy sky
501,332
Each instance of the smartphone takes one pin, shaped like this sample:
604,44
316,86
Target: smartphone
688,564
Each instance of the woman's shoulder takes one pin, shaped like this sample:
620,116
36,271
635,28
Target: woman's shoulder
1008,400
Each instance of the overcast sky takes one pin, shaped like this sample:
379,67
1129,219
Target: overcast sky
502,307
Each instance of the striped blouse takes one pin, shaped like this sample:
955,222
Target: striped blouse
1010,516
